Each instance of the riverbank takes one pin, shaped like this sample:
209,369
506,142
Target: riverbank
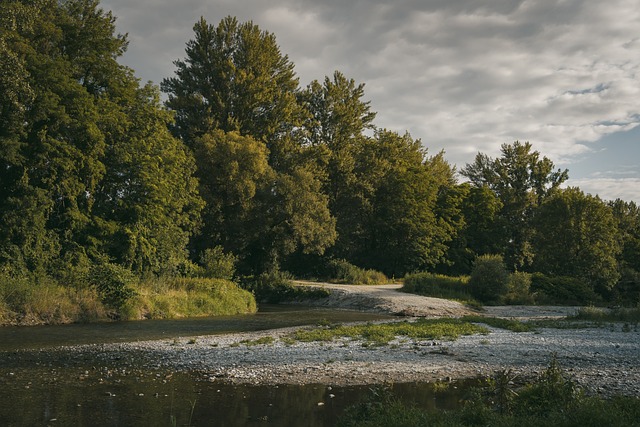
603,359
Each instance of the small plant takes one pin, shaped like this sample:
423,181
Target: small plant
496,322
217,264
259,341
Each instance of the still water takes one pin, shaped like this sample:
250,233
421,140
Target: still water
39,387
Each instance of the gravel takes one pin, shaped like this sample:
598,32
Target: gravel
604,360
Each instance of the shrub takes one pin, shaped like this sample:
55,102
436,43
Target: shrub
489,279
562,290
276,287
341,271
437,286
217,264
518,291
114,284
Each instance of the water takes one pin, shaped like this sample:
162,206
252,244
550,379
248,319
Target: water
269,317
52,388
69,397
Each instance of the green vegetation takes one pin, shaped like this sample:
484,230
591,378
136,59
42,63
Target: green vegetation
438,286
382,333
508,324
621,314
276,287
341,271
243,172
551,399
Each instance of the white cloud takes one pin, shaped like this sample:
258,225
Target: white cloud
610,188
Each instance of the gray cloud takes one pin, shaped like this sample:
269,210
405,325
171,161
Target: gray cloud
464,76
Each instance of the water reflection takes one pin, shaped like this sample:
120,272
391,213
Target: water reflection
269,317
158,400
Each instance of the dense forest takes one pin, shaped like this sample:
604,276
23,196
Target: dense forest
243,165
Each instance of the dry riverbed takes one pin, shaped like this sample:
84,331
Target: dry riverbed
605,359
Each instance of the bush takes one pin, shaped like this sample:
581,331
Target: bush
489,279
518,292
169,298
562,290
276,287
341,271
114,284
437,286
217,264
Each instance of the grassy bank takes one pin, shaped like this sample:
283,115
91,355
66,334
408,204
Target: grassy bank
25,301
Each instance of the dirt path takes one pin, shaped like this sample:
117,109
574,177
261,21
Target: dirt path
390,300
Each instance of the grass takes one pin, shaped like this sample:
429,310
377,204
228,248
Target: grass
551,399
496,322
440,286
383,333
29,301
630,315
193,297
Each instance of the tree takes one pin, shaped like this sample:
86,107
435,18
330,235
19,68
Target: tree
400,221
235,78
522,181
89,171
576,236
235,100
627,216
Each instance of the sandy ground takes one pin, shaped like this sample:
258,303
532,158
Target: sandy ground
604,360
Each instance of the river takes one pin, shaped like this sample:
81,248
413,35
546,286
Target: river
42,384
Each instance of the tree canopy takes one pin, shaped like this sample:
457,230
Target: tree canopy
242,164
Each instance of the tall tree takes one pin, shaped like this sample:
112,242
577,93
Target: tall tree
522,180
576,235
235,88
79,124
234,78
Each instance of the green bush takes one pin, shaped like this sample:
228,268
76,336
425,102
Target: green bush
519,287
489,279
437,286
114,284
276,287
341,271
562,290
217,264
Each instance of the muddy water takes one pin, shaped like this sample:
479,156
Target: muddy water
41,386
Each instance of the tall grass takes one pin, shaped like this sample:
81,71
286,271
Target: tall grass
341,271
188,297
42,300
438,286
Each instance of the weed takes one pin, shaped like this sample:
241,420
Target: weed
496,322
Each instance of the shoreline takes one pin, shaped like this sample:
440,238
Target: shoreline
602,360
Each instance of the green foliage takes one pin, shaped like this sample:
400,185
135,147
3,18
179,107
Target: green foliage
188,297
437,286
341,271
382,333
562,290
115,284
552,399
276,287
218,264
576,236
489,279
519,289
522,181
496,322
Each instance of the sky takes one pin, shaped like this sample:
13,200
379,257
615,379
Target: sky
461,76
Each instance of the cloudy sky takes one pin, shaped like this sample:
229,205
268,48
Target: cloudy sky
463,76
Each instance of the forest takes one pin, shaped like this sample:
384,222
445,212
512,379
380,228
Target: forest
239,170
